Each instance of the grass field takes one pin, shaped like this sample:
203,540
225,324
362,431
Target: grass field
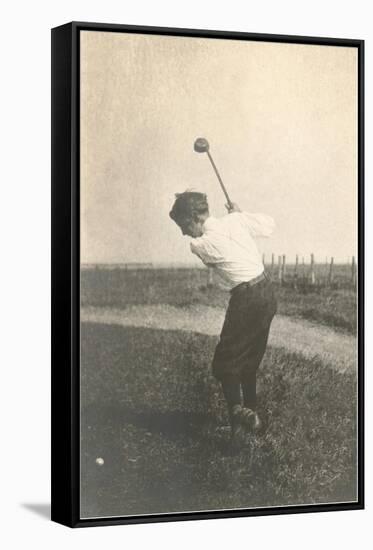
335,307
150,409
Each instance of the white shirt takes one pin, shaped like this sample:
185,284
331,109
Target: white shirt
228,245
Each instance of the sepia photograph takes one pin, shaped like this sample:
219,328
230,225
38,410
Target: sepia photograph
219,274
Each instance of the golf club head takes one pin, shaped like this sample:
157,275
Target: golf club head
201,145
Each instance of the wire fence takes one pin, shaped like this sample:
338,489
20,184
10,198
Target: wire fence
306,272
312,273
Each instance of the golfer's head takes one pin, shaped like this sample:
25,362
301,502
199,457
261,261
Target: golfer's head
189,211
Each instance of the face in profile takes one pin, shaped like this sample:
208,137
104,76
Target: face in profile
192,228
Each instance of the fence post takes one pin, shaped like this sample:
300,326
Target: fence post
263,259
295,276
353,270
272,264
296,266
283,266
312,271
210,276
330,277
279,270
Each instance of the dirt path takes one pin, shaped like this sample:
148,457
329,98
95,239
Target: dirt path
298,335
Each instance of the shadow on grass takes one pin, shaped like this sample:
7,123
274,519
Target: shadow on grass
169,423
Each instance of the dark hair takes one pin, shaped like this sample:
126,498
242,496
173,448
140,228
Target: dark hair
188,206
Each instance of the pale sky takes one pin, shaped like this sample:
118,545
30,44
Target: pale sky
281,120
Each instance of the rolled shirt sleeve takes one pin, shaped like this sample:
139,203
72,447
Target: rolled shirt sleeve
259,225
205,251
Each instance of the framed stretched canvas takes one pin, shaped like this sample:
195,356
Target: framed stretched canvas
207,274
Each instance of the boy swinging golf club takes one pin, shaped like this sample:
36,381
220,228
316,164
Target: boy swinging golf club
227,244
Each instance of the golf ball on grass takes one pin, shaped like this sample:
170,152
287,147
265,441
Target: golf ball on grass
100,461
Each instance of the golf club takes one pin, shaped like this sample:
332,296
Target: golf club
201,145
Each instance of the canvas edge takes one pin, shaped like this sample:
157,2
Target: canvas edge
65,487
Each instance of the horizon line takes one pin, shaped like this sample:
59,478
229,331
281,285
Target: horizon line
199,265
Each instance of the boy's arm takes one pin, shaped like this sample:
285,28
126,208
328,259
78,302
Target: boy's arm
207,257
259,225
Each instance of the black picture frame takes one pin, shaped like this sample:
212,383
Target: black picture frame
66,266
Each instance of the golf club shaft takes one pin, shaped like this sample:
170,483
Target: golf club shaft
220,180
